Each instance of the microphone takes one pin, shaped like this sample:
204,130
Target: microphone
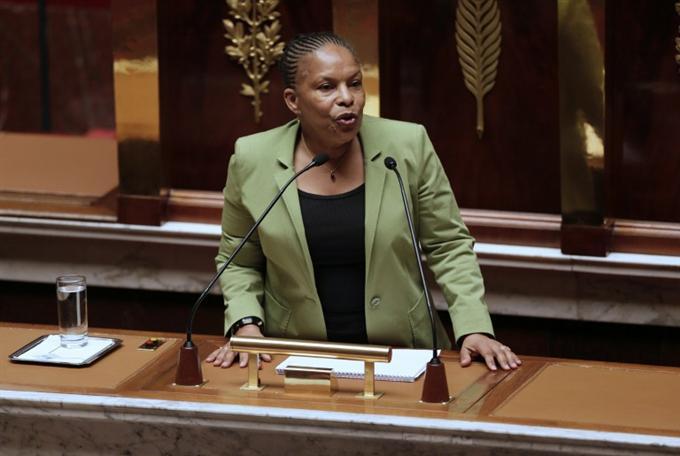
189,366
435,388
391,164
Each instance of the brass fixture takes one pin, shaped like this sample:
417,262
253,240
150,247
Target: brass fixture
257,49
369,354
478,41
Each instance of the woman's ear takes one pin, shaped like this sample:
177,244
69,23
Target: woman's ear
290,97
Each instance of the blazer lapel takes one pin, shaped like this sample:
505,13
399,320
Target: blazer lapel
375,173
291,200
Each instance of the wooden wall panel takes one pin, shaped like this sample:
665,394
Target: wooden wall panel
19,69
643,113
515,166
78,65
153,311
114,308
202,113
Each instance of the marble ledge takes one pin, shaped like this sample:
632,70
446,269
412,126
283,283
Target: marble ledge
173,233
207,235
178,257
94,424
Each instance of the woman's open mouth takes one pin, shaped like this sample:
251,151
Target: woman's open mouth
347,119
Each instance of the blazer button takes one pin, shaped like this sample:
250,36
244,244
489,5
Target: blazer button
375,301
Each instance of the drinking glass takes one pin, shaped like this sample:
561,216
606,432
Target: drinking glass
72,310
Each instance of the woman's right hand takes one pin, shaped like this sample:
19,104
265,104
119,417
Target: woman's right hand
225,356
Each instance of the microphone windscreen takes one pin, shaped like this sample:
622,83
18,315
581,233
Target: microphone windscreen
320,159
390,163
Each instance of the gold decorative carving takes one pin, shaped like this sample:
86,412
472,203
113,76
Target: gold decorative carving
478,41
258,49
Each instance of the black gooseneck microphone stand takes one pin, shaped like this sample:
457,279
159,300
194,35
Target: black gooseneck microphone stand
435,388
189,366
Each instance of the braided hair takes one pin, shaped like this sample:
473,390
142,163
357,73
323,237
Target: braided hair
304,44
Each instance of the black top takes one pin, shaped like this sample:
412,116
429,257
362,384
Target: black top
334,227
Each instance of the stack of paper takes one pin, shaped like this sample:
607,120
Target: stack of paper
406,365
49,350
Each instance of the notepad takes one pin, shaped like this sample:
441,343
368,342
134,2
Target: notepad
406,365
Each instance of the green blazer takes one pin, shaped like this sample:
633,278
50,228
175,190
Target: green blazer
273,276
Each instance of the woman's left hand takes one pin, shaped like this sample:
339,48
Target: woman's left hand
480,345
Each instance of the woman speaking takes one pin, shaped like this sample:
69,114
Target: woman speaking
334,259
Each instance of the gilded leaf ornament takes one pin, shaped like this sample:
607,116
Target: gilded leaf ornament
478,41
257,48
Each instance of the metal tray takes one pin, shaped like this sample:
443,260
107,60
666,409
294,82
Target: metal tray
14,357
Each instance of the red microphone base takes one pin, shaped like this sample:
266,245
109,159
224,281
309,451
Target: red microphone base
435,388
189,366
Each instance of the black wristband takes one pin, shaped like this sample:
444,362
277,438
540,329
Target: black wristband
243,322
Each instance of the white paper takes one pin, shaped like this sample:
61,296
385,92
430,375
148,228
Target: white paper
51,351
406,365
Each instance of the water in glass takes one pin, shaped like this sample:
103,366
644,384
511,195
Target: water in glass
72,310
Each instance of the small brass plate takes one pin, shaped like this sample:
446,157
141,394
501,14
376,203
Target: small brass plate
309,380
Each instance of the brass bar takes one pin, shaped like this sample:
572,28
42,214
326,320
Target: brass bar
253,383
357,22
274,346
307,372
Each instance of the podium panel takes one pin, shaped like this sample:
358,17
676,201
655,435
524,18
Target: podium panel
126,403
224,385
630,397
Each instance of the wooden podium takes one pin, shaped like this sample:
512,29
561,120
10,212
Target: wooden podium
126,403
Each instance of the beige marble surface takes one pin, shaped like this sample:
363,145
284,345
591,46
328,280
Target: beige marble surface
50,423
